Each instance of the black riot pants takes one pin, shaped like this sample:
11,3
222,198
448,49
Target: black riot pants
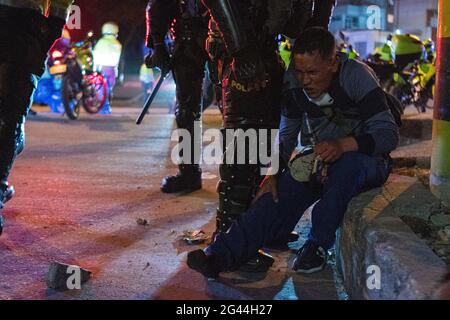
25,38
189,71
256,111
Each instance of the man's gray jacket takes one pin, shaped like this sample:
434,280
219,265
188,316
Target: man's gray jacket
360,109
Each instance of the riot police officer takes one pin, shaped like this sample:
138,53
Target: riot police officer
189,22
242,44
28,30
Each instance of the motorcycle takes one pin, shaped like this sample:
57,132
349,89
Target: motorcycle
409,75
413,85
73,71
347,48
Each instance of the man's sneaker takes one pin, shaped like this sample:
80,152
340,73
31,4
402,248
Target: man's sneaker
197,260
259,263
310,258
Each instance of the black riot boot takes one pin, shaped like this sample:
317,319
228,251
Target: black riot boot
188,179
260,263
6,193
236,188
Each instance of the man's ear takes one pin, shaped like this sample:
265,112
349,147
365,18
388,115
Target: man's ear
335,63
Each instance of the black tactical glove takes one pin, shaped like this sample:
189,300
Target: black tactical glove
249,69
159,58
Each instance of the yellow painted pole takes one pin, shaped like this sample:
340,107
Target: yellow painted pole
440,157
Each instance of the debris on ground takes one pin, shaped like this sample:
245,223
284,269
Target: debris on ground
141,222
63,276
194,236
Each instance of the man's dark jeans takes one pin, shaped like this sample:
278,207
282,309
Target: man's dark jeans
25,38
266,220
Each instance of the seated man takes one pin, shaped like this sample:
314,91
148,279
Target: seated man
340,103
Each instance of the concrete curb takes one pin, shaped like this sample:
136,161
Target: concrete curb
409,162
373,236
417,127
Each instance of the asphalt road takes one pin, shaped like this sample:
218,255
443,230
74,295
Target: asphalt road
81,186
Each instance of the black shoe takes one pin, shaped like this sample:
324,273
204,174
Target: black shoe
189,178
310,258
260,263
197,260
282,244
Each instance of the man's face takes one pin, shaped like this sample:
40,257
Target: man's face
315,73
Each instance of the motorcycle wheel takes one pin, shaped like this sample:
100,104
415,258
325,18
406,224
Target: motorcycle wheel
429,89
71,97
95,92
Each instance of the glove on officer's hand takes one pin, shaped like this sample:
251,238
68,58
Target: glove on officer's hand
249,69
159,58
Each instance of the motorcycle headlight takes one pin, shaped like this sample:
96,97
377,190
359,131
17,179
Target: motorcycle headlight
57,54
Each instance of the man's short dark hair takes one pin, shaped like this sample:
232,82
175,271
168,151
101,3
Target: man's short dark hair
315,39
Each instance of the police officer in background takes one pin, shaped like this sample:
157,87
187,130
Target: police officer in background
107,53
189,22
242,44
29,28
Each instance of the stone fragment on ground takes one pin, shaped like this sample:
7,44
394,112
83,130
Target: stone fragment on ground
63,276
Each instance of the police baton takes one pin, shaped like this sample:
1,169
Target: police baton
150,99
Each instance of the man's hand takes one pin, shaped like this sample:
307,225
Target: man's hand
331,150
159,58
269,184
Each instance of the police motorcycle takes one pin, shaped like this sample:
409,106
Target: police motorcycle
410,75
345,47
80,85
48,91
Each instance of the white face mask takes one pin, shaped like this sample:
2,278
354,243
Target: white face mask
323,101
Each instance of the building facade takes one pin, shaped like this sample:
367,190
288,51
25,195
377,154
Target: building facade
418,17
367,23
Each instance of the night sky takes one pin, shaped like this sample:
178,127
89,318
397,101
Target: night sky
129,14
